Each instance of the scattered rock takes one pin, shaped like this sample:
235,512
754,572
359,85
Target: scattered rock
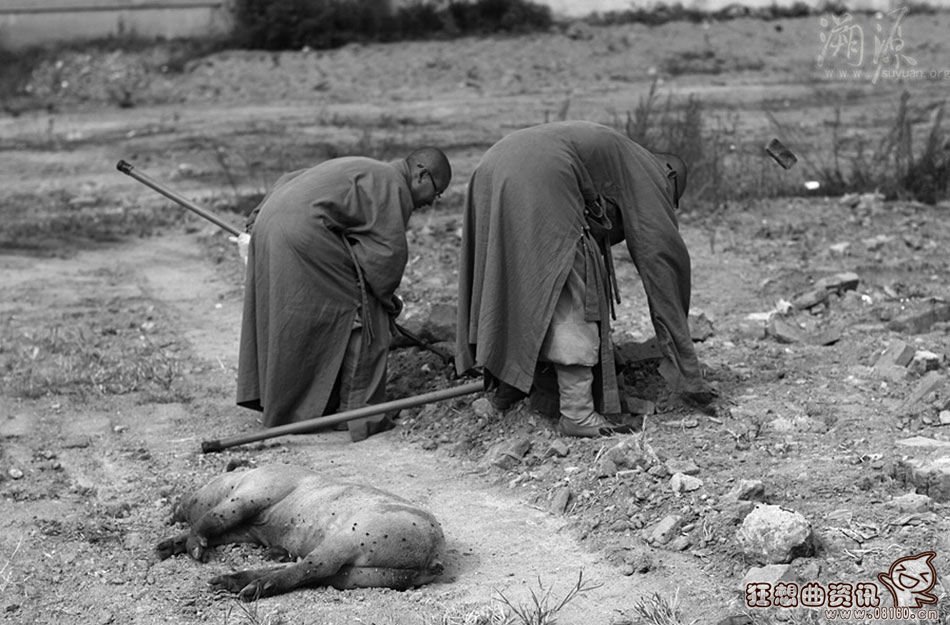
735,511
798,423
840,282
893,361
921,320
769,574
925,443
680,543
840,249
630,453
929,476
686,467
828,336
681,423
925,361
700,326
748,490
507,455
439,324
931,382
561,500
483,408
662,532
682,483
638,560
754,325
912,502
810,299
876,242
773,535
556,448
785,332
436,326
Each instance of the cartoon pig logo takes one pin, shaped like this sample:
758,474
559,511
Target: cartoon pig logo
910,578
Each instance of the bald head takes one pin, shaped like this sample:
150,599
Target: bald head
434,161
676,169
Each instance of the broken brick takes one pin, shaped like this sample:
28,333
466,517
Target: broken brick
810,299
921,321
840,282
785,332
893,362
931,382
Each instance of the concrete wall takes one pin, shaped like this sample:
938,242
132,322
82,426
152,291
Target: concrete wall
26,23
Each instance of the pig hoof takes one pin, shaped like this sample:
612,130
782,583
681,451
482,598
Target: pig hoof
196,547
169,547
256,590
233,582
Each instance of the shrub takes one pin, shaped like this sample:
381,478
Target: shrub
293,24
891,165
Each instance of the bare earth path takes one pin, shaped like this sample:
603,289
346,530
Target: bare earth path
103,461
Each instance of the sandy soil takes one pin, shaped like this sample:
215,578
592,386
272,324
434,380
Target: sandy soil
119,355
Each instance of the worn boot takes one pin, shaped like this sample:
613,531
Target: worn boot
578,417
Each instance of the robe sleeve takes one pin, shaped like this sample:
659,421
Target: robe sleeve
378,240
663,262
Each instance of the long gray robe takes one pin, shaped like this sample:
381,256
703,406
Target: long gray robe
523,221
303,291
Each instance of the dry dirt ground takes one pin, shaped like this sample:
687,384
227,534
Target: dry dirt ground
119,339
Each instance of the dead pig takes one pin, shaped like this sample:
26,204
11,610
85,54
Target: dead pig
343,535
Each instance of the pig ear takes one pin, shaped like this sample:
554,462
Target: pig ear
179,510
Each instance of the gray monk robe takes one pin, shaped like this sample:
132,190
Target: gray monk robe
523,226
305,296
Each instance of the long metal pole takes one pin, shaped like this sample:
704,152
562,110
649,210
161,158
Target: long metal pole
310,425
126,168
319,422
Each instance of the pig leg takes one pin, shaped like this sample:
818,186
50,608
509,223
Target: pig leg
172,546
320,564
228,522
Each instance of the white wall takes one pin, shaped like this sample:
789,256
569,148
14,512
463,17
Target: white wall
26,23
580,8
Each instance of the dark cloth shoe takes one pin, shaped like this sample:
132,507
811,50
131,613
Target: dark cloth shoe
506,396
361,429
593,426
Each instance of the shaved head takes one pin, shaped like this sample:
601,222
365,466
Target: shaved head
675,167
435,162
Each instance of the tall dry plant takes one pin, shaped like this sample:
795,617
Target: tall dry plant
890,165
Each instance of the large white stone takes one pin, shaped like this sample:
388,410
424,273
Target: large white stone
773,535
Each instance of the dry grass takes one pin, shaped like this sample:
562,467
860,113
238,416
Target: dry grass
724,164
104,350
892,164
659,610
543,608
250,613
6,570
